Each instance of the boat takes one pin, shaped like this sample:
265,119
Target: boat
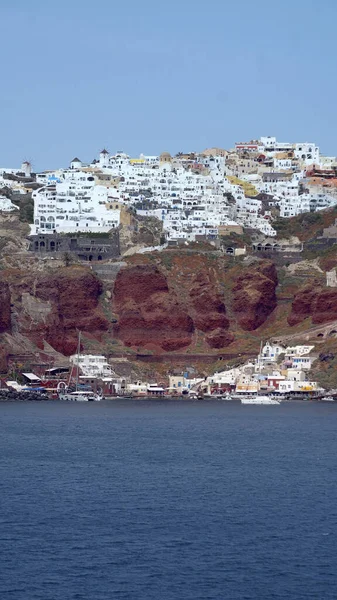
258,400
78,396
73,396
327,399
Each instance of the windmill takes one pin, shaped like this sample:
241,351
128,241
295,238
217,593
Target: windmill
26,167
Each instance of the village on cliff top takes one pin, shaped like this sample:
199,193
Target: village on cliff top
176,267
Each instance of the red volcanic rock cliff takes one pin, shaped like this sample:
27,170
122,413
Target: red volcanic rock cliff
312,300
210,311
254,297
74,296
165,302
304,303
5,307
54,306
149,313
326,306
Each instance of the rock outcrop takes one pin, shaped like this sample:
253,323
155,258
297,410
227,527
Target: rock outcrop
150,314
254,297
219,338
314,301
304,302
74,297
5,307
53,307
325,306
209,310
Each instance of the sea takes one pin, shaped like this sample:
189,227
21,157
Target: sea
168,500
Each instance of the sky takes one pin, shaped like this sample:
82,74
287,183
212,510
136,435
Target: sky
150,76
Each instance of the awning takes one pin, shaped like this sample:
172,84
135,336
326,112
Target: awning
57,370
31,376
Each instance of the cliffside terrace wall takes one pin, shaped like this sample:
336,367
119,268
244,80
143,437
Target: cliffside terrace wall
85,247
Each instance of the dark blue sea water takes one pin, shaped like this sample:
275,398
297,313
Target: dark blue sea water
141,500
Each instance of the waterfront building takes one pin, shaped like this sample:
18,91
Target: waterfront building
92,365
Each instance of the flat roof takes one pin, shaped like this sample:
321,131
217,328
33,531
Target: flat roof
31,376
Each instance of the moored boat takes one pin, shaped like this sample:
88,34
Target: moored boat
79,396
259,399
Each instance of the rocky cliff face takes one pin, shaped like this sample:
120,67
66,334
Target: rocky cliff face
5,307
313,300
150,314
53,307
74,302
157,310
209,310
254,295
198,303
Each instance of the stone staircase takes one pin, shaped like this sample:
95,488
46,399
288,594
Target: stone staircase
108,271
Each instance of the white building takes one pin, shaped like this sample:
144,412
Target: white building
75,204
6,205
92,365
190,194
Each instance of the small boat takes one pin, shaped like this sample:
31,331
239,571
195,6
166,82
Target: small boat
327,399
73,396
259,400
79,396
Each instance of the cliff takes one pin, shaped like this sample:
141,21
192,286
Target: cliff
149,314
52,307
162,303
315,301
254,295
191,304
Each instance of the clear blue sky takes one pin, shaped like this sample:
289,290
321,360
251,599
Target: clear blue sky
148,76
